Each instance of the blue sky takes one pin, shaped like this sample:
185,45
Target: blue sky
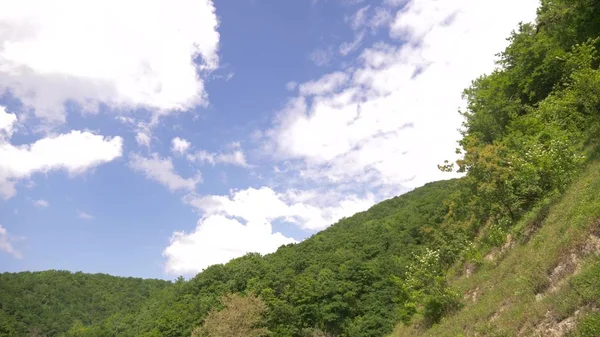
155,138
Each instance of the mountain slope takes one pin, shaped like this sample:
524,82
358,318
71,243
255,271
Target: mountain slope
544,282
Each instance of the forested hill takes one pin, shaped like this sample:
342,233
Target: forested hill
341,280
49,303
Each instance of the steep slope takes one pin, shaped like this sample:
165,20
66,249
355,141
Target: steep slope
544,282
530,153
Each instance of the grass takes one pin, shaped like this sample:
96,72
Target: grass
539,284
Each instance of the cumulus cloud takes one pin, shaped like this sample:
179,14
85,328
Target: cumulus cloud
218,239
107,51
180,145
162,170
239,223
266,205
395,118
6,244
75,152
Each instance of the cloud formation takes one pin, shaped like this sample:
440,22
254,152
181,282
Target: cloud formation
239,223
74,152
218,239
380,125
109,51
180,145
395,112
162,170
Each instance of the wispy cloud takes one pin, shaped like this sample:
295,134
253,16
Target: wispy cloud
162,170
84,215
235,157
321,57
6,244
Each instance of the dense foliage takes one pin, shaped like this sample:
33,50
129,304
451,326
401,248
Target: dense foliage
51,302
527,124
530,127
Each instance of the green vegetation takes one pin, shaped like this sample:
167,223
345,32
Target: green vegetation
51,302
240,317
510,249
549,275
531,207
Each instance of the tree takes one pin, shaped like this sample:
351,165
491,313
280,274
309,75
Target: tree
241,316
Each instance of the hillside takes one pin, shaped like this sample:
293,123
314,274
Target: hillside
339,280
49,303
531,148
543,281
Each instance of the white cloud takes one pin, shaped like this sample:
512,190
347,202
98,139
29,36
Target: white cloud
233,225
396,118
75,152
324,85
180,145
380,18
7,123
126,54
235,157
357,21
218,239
143,139
321,57
348,47
6,244
162,170
304,208
85,216
41,203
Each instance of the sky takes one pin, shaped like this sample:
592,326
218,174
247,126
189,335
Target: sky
154,138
